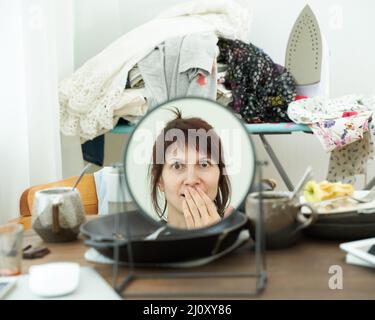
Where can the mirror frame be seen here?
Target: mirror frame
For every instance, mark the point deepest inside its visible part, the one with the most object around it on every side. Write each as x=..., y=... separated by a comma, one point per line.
x=126, y=154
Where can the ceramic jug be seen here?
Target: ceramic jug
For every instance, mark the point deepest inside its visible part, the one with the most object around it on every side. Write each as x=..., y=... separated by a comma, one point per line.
x=57, y=214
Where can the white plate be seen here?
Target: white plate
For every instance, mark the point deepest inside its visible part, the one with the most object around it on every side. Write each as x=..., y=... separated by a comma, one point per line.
x=360, y=249
x=342, y=205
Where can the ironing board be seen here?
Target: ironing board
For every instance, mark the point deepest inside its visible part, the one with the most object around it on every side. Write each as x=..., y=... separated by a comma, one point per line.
x=304, y=60
x=262, y=130
x=258, y=128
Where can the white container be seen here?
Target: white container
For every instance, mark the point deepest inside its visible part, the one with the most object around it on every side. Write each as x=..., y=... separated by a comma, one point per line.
x=119, y=198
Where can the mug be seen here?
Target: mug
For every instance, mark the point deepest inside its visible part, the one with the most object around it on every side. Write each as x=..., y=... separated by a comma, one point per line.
x=57, y=214
x=282, y=216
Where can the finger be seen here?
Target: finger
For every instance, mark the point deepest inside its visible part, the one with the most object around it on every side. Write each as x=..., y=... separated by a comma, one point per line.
x=189, y=220
x=202, y=209
x=207, y=218
x=228, y=211
x=193, y=208
x=212, y=210
x=199, y=202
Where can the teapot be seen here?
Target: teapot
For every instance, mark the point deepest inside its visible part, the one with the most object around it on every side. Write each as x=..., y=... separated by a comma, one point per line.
x=57, y=214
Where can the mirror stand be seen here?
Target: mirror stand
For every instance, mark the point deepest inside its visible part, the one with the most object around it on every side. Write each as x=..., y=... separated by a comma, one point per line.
x=259, y=275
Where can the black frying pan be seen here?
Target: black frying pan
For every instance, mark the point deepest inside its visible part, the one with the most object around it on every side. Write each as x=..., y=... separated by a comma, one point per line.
x=171, y=245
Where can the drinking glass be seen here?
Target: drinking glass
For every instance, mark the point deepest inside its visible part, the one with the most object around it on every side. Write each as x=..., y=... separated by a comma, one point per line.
x=10, y=249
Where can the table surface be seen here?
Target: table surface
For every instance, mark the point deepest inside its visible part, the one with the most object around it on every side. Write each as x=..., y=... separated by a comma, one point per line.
x=298, y=272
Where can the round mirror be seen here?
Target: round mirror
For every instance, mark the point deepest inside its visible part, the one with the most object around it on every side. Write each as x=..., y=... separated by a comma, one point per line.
x=189, y=163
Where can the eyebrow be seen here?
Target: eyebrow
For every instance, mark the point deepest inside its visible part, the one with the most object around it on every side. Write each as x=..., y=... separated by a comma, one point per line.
x=173, y=159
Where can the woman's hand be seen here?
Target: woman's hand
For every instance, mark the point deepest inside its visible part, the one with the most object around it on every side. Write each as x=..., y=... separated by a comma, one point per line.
x=199, y=210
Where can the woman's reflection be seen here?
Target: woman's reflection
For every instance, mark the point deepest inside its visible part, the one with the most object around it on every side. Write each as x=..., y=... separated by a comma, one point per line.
x=188, y=168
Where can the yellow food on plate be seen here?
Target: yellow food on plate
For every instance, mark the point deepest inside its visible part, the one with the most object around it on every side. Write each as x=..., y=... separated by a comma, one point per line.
x=316, y=192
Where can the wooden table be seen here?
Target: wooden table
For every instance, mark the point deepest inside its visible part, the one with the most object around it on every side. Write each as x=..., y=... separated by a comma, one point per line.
x=299, y=272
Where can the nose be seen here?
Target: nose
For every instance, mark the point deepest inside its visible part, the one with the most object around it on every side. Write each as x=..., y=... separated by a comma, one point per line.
x=192, y=178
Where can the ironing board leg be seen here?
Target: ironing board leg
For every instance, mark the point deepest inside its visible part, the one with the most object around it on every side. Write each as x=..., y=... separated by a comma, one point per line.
x=370, y=185
x=277, y=163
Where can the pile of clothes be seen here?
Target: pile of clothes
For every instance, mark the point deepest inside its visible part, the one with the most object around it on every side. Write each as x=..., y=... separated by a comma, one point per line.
x=231, y=72
x=199, y=48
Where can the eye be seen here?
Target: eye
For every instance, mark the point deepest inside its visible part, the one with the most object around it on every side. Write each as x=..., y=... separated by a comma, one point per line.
x=176, y=165
x=204, y=164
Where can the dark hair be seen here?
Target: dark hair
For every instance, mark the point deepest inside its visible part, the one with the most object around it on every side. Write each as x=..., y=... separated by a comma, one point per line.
x=185, y=125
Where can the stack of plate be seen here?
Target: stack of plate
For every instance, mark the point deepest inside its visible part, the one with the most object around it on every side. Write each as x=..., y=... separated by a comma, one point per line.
x=349, y=222
x=344, y=226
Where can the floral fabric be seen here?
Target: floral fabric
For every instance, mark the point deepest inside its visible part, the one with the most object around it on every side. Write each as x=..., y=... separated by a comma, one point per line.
x=348, y=161
x=337, y=122
x=261, y=89
x=340, y=132
x=342, y=127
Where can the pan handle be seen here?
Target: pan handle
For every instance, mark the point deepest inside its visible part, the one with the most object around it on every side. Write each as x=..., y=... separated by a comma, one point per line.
x=224, y=234
x=102, y=244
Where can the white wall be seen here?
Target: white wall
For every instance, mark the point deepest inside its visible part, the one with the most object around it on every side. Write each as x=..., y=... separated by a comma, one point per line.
x=97, y=24
x=29, y=135
x=346, y=24
x=71, y=153
x=14, y=176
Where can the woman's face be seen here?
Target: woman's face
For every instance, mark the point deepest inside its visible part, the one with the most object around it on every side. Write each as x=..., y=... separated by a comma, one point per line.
x=186, y=167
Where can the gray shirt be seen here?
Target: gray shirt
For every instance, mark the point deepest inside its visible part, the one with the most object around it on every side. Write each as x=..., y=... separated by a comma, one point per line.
x=181, y=67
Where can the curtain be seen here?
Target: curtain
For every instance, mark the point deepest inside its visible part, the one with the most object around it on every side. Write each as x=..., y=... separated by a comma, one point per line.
x=30, y=145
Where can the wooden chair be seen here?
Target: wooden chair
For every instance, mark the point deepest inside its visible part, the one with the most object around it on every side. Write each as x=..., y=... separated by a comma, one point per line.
x=86, y=188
